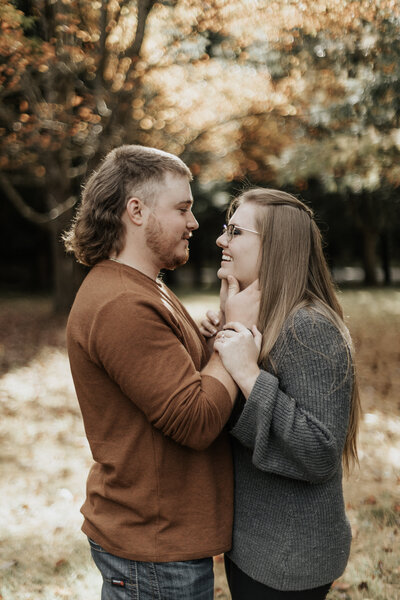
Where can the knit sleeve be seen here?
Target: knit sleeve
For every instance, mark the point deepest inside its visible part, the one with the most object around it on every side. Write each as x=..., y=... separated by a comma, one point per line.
x=140, y=348
x=295, y=423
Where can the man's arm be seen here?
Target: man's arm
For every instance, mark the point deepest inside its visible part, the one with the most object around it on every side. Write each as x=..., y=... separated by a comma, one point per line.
x=135, y=343
x=216, y=369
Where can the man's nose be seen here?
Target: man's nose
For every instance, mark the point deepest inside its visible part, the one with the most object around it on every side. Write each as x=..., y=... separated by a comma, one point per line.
x=192, y=222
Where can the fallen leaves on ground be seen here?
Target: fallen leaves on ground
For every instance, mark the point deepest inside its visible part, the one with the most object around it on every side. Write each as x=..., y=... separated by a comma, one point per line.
x=45, y=458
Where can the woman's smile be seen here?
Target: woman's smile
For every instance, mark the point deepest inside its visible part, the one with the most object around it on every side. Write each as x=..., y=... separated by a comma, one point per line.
x=241, y=247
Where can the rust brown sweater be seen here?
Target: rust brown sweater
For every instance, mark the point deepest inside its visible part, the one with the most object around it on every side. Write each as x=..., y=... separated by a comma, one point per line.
x=161, y=486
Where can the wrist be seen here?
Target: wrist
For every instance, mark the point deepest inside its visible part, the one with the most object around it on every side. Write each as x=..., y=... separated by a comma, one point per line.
x=247, y=379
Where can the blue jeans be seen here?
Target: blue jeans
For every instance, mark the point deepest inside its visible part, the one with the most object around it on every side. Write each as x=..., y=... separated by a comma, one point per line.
x=135, y=580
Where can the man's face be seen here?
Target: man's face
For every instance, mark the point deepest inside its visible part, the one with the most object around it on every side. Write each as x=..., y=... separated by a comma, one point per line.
x=171, y=222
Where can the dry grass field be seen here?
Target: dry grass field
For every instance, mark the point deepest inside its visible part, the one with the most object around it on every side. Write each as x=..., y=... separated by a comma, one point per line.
x=44, y=457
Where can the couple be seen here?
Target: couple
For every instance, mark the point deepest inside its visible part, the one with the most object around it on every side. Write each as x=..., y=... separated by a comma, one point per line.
x=164, y=411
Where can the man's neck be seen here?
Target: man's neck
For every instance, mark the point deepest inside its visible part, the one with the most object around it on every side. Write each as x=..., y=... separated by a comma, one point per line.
x=137, y=262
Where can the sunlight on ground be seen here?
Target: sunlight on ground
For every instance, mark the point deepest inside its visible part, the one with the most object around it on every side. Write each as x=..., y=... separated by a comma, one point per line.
x=45, y=459
x=44, y=480
x=378, y=302
x=379, y=430
x=381, y=434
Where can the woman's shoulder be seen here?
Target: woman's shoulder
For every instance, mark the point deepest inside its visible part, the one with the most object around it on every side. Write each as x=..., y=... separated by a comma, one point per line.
x=310, y=328
x=311, y=316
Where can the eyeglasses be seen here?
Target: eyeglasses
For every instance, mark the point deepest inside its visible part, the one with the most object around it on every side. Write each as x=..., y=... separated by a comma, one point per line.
x=232, y=230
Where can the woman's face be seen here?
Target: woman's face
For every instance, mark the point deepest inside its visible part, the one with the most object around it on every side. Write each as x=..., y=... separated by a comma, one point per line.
x=241, y=255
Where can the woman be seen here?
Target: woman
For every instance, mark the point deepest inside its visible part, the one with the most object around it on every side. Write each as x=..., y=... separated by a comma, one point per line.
x=299, y=404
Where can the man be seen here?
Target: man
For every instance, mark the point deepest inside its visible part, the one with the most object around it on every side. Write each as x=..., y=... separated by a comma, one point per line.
x=159, y=495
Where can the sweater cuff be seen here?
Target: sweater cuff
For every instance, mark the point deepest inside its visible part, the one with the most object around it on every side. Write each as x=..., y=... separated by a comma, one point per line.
x=257, y=411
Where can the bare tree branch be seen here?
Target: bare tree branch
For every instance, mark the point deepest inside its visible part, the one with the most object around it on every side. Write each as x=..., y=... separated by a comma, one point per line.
x=144, y=8
x=82, y=15
x=46, y=10
x=27, y=211
x=230, y=119
x=6, y=115
x=121, y=5
x=102, y=44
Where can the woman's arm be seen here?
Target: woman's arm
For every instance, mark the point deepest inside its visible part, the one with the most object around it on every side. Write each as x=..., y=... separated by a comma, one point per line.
x=239, y=348
x=295, y=423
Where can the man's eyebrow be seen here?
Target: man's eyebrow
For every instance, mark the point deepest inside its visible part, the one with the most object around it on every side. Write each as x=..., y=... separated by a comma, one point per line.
x=185, y=203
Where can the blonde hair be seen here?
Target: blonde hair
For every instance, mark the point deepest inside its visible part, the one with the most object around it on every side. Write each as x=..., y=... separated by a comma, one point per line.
x=97, y=230
x=294, y=274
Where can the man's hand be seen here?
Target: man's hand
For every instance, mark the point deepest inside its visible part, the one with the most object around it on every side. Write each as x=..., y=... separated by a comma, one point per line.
x=242, y=306
x=235, y=305
x=223, y=294
x=212, y=323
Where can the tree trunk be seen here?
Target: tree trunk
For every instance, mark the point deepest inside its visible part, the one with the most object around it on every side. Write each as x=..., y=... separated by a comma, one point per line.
x=370, y=241
x=385, y=257
x=67, y=273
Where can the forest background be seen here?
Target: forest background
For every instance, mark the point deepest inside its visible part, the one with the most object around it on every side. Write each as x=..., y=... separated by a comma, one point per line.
x=303, y=95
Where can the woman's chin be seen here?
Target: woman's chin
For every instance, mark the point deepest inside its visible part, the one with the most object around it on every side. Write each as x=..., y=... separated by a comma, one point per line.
x=220, y=273
x=223, y=273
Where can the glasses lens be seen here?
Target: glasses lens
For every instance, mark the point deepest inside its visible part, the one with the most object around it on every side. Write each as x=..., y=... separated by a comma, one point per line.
x=229, y=230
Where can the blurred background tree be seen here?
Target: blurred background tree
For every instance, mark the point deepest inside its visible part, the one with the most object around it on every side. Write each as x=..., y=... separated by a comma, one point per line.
x=301, y=95
x=68, y=85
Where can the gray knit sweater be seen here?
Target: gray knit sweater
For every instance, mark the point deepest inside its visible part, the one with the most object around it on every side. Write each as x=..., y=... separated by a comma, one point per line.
x=290, y=527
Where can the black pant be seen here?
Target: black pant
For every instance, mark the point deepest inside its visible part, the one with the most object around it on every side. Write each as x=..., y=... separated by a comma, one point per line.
x=243, y=587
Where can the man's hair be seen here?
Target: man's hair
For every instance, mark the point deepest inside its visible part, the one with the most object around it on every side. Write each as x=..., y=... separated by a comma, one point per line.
x=97, y=230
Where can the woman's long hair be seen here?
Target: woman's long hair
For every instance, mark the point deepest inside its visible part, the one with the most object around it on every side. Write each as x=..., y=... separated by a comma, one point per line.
x=294, y=274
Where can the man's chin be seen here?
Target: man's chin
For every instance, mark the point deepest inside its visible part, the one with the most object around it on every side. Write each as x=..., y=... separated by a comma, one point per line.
x=176, y=261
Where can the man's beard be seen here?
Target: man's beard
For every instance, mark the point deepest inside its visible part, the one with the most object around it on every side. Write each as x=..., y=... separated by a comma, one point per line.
x=163, y=247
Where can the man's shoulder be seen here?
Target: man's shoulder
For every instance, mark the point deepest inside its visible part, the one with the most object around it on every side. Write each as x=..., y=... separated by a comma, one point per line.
x=110, y=293
x=106, y=283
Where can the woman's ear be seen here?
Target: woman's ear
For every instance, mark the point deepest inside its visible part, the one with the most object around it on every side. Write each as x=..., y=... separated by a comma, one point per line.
x=134, y=210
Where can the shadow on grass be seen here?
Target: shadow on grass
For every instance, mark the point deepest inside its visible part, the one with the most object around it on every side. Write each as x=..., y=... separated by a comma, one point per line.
x=26, y=326
x=55, y=566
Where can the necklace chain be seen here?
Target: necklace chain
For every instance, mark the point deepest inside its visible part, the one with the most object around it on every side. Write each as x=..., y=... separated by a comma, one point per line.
x=117, y=261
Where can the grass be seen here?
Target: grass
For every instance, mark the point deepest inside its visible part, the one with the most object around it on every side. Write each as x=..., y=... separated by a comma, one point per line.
x=44, y=456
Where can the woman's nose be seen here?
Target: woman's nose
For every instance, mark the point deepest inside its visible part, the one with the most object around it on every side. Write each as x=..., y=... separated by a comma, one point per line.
x=222, y=240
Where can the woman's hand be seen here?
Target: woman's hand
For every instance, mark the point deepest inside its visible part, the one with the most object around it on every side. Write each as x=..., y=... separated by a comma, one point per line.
x=239, y=349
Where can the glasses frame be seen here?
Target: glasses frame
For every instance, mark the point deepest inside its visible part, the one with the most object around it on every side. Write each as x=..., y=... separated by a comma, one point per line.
x=229, y=230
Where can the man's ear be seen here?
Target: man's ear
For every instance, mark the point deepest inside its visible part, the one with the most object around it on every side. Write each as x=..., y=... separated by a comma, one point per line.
x=134, y=210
